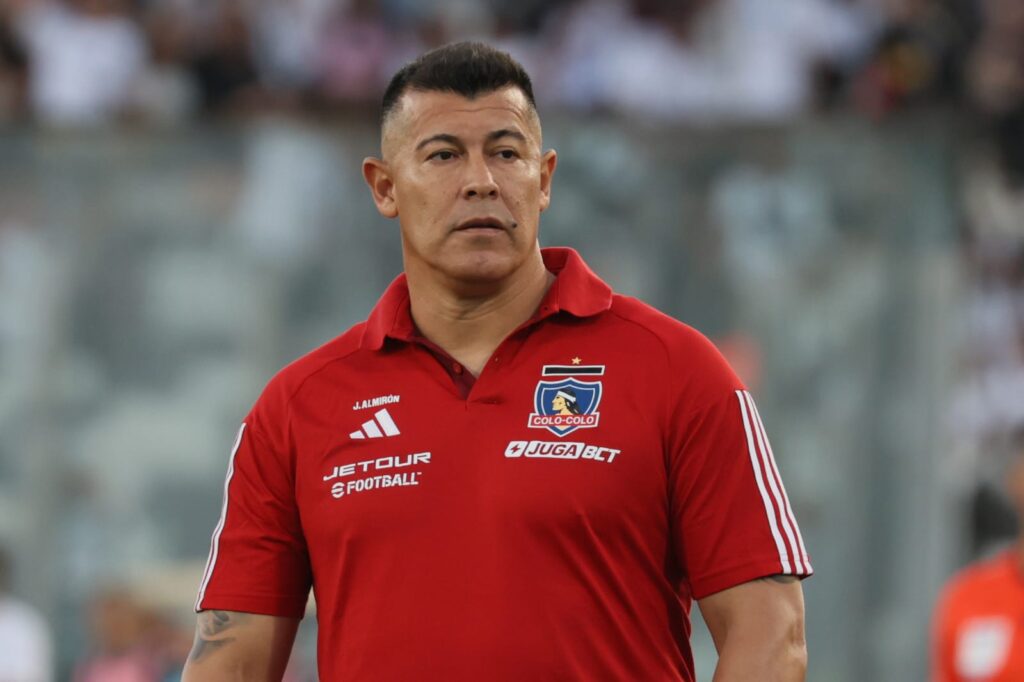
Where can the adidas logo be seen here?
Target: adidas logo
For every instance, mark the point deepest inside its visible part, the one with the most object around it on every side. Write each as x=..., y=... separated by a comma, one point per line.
x=381, y=426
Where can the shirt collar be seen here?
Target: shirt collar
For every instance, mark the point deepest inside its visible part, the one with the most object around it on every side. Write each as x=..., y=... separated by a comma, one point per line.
x=576, y=290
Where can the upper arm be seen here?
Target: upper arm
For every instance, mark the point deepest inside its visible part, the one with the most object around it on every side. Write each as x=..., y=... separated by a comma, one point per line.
x=259, y=561
x=758, y=627
x=732, y=521
x=230, y=645
x=775, y=603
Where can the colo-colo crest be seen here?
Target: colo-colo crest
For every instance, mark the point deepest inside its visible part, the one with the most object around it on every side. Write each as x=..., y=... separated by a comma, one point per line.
x=563, y=405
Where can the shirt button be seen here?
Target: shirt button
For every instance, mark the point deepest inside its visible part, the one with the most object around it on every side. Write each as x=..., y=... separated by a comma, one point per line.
x=457, y=368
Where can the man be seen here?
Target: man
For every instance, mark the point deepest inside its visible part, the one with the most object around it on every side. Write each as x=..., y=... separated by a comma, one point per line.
x=415, y=472
x=978, y=633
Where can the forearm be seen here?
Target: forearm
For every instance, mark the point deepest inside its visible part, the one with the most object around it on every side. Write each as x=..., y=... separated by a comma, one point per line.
x=239, y=646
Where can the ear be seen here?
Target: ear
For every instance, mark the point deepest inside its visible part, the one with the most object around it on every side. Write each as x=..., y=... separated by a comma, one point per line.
x=382, y=186
x=548, y=163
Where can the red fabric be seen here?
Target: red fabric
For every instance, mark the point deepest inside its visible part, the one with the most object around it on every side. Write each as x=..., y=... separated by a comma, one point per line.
x=978, y=633
x=485, y=563
x=461, y=377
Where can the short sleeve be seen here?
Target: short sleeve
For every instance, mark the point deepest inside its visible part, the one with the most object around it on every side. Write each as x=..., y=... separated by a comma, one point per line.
x=258, y=559
x=731, y=518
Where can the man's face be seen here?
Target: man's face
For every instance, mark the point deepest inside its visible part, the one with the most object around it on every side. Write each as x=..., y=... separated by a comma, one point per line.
x=466, y=180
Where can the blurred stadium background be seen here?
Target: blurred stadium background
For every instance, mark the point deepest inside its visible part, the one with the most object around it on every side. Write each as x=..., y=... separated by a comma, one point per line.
x=833, y=190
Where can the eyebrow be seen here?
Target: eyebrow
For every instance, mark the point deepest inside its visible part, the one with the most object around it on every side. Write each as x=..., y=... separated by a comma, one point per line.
x=491, y=137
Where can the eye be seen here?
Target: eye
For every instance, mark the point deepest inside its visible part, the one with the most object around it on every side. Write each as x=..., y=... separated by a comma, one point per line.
x=442, y=155
x=508, y=154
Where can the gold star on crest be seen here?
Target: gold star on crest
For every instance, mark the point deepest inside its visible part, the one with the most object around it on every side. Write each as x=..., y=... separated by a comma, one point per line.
x=576, y=361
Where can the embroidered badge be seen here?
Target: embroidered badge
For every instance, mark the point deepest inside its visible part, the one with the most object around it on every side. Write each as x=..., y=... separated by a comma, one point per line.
x=569, y=403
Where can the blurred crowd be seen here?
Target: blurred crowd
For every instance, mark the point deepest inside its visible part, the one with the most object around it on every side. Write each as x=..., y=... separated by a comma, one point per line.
x=86, y=62
x=987, y=408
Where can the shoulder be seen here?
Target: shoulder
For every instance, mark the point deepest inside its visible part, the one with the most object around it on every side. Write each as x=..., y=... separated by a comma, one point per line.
x=291, y=379
x=692, y=361
x=676, y=336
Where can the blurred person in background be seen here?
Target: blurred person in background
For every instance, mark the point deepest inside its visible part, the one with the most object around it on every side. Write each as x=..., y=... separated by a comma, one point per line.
x=224, y=64
x=121, y=649
x=165, y=93
x=978, y=630
x=481, y=556
x=84, y=57
x=170, y=643
x=26, y=650
x=356, y=53
x=287, y=34
x=917, y=57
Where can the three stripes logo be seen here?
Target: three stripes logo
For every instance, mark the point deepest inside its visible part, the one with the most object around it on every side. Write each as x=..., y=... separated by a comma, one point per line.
x=381, y=426
x=788, y=541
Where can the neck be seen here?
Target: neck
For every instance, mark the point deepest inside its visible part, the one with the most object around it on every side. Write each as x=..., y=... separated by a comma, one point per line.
x=470, y=320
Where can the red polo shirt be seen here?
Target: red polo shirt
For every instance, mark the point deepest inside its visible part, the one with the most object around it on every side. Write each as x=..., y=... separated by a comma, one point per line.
x=550, y=521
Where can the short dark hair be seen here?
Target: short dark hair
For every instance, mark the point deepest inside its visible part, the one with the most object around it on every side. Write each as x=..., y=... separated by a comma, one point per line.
x=467, y=68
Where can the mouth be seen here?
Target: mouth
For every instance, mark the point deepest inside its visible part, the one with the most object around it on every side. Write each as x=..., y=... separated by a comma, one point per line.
x=487, y=223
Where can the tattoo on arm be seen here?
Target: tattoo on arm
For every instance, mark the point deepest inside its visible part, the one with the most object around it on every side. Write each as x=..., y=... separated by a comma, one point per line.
x=213, y=632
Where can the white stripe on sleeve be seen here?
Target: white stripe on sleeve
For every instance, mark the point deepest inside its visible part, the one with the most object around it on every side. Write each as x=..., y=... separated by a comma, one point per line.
x=800, y=548
x=782, y=504
x=769, y=509
x=211, y=562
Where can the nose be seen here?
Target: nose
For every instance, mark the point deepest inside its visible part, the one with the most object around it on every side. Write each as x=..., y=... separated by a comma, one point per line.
x=480, y=182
